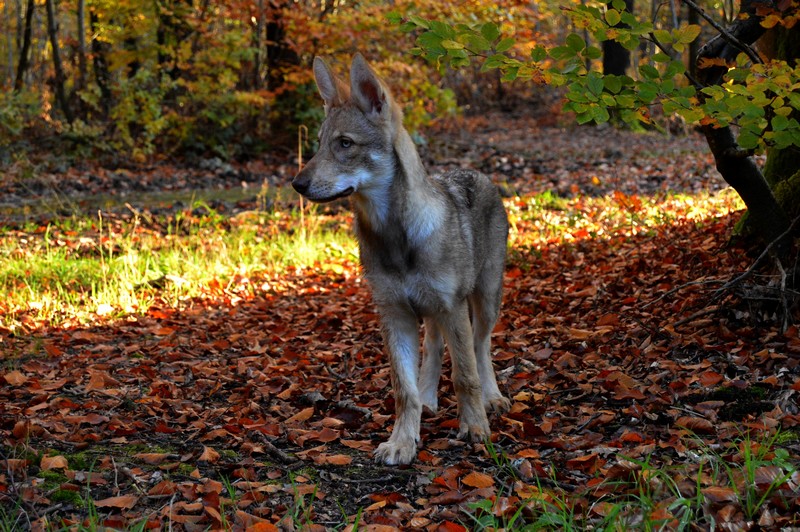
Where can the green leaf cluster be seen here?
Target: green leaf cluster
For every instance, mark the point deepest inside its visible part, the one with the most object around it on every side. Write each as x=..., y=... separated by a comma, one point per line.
x=761, y=100
x=456, y=45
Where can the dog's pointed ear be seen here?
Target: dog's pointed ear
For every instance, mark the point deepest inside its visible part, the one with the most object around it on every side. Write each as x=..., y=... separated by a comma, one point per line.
x=332, y=89
x=367, y=90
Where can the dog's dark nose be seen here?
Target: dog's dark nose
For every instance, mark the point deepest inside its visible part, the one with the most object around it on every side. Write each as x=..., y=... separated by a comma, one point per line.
x=301, y=183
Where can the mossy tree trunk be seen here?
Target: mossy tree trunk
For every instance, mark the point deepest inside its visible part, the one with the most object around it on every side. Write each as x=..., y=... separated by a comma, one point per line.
x=782, y=170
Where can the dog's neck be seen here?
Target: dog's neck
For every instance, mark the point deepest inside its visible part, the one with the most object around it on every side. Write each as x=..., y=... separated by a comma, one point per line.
x=404, y=196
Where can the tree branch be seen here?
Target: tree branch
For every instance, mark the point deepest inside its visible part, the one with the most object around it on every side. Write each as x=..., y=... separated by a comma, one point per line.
x=732, y=39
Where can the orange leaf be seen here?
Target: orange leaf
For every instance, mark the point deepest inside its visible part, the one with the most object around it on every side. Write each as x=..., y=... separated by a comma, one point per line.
x=303, y=415
x=15, y=378
x=333, y=459
x=53, y=462
x=449, y=526
x=696, y=424
x=720, y=494
x=361, y=445
x=151, y=458
x=710, y=378
x=262, y=527
x=209, y=455
x=478, y=480
x=165, y=487
x=122, y=501
x=96, y=381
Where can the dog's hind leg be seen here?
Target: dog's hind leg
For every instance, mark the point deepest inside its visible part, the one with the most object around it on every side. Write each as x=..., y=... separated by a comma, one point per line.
x=401, y=336
x=473, y=423
x=431, y=368
x=485, y=303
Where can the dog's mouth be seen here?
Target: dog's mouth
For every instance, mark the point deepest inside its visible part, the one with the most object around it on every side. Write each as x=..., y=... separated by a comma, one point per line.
x=343, y=194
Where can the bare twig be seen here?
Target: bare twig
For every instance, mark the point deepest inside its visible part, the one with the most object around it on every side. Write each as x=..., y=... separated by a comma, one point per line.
x=681, y=287
x=732, y=39
x=699, y=314
x=747, y=273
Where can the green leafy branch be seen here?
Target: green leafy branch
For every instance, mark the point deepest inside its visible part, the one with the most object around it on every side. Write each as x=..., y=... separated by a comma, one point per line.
x=758, y=98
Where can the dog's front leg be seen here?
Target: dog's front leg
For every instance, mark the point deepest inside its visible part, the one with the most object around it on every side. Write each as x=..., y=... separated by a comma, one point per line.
x=431, y=368
x=473, y=423
x=401, y=335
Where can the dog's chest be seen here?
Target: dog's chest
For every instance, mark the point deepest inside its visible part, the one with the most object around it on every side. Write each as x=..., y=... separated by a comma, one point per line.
x=399, y=274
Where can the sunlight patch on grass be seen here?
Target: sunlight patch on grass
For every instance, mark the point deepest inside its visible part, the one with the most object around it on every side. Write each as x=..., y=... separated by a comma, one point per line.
x=544, y=219
x=77, y=269
x=71, y=272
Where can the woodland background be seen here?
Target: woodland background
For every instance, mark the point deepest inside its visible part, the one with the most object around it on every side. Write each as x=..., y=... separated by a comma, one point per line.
x=186, y=345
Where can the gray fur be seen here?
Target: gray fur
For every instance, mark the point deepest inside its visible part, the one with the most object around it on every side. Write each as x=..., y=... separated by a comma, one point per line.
x=432, y=249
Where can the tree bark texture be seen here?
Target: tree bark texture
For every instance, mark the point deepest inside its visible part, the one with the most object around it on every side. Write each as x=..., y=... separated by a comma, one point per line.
x=81, y=23
x=617, y=58
x=737, y=168
x=52, y=31
x=100, y=64
x=22, y=66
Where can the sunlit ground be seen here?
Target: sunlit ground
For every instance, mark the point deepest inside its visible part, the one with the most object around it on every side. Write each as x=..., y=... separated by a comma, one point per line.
x=78, y=270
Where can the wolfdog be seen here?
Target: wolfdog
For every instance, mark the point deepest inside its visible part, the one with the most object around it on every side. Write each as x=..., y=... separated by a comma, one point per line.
x=432, y=248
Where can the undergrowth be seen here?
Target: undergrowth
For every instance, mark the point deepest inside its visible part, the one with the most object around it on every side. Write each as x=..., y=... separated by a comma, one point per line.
x=747, y=480
x=78, y=268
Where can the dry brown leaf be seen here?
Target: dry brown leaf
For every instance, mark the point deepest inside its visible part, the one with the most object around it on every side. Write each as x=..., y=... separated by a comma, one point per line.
x=54, y=462
x=695, y=424
x=122, y=501
x=720, y=494
x=15, y=378
x=151, y=458
x=303, y=415
x=477, y=480
x=333, y=459
x=208, y=455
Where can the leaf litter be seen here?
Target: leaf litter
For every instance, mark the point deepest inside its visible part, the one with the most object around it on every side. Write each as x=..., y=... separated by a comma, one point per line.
x=259, y=408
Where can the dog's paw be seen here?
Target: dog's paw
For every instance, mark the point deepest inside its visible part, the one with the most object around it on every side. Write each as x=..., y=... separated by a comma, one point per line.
x=396, y=453
x=497, y=405
x=475, y=432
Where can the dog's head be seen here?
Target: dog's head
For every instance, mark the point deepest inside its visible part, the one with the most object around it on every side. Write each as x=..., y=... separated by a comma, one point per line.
x=355, y=140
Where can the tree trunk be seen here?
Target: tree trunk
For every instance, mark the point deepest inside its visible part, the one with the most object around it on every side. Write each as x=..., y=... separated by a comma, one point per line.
x=81, y=23
x=100, y=64
x=52, y=30
x=22, y=66
x=738, y=169
x=9, y=44
x=617, y=58
x=782, y=169
x=258, y=43
x=693, y=18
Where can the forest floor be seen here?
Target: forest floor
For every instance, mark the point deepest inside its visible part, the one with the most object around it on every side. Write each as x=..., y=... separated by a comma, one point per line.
x=646, y=391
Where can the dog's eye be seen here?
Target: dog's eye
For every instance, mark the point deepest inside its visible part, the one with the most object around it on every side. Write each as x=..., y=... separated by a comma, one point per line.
x=345, y=142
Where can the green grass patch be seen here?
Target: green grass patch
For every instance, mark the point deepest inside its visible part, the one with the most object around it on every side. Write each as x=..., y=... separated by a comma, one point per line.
x=749, y=475
x=75, y=269
x=78, y=268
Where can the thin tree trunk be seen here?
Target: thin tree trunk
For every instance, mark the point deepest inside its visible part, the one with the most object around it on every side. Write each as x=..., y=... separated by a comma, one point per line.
x=81, y=14
x=100, y=64
x=22, y=66
x=9, y=44
x=258, y=44
x=694, y=18
x=52, y=30
x=617, y=58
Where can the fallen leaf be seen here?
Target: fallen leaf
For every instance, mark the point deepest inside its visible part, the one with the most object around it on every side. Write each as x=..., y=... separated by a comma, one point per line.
x=15, y=378
x=123, y=501
x=720, y=494
x=477, y=480
x=208, y=455
x=54, y=462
